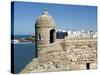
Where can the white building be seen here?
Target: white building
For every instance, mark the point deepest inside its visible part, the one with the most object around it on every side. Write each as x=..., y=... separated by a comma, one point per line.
x=95, y=35
x=82, y=33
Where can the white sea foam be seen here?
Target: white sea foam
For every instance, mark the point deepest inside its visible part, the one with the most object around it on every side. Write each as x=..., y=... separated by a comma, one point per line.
x=23, y=43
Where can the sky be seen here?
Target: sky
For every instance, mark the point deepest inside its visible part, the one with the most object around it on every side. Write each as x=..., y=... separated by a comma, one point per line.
x=67, y=17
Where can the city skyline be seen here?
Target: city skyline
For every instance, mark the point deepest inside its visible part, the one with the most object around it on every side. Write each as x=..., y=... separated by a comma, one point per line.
x=67, y=17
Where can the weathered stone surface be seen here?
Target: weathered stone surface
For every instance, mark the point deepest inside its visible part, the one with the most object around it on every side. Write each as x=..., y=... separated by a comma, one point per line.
x=74, y=57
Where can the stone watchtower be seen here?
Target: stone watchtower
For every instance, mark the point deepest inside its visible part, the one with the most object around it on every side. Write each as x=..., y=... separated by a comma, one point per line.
x=45, y=28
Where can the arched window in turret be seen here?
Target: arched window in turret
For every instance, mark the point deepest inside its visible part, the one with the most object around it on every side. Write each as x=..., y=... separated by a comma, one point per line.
x=52, y=35
x=38, y=36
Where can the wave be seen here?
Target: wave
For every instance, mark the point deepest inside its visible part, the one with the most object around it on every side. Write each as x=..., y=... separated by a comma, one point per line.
x=23, y=43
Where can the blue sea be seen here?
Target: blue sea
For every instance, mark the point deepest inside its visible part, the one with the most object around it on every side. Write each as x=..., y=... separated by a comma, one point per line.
x=24, y=52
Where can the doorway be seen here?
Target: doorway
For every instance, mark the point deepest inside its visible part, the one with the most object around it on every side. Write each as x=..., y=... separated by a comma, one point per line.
x=52, y=36
x=87, y=65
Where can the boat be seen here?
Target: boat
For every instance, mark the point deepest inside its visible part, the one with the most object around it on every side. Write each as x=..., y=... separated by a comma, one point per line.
x=14, y=41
